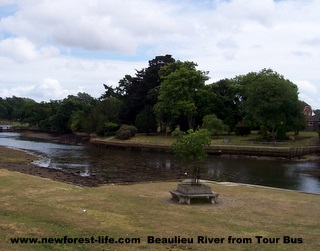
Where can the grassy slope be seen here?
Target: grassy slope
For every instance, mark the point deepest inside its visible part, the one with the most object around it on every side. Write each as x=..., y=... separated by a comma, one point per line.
x=157, y=139
x=36, y=207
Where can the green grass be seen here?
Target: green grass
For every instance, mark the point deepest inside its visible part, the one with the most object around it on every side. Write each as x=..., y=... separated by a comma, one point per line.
x=35, y=207
x=304, y=139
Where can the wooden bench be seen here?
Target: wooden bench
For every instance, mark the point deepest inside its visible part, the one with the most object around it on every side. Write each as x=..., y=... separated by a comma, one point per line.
x=185, y=198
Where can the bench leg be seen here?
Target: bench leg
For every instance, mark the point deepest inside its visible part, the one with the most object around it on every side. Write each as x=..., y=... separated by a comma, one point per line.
x=181, y=199
x=188, y=201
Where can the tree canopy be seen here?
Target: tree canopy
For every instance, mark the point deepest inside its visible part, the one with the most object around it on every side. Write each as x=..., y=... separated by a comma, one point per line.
x=180, y=92
x=192, y=147
x=170, y=93
x=271, y=100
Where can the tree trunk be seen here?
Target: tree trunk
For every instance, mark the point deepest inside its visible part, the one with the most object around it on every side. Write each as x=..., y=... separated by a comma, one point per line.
x=191, y=122
x=273, y=134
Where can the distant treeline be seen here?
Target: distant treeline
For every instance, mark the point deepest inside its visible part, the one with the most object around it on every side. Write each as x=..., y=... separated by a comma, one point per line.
x=168, y=94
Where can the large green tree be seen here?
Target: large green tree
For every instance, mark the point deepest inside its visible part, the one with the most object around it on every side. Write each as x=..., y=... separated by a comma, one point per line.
x=71, y=113
x=271, y=100
x=137, y=92
x=181, y=91
x=227, y=101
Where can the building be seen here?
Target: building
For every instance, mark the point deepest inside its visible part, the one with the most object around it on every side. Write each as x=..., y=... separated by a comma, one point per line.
x=306, y=109
x=313, y=123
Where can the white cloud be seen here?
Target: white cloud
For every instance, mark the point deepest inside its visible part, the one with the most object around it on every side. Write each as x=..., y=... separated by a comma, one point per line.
x=92, y=25
x=54, y=40
x=22, y=50
x=47, y=89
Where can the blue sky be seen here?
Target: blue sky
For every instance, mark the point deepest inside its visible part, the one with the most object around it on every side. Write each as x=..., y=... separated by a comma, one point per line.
x=50, y=49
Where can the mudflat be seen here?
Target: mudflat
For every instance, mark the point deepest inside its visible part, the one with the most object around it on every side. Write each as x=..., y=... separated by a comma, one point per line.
x=20, y=161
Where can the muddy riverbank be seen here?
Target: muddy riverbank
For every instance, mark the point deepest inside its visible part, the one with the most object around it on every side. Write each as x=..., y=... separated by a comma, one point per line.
x=21, y=161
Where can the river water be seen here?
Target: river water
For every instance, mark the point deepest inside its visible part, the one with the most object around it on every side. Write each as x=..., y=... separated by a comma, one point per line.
x=114, y=165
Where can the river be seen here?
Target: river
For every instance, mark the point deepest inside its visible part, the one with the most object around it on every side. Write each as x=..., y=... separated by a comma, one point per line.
x=114, y=165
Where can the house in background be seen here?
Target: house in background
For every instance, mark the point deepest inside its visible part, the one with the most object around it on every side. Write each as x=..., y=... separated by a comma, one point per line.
x=313, y=123
x=306, y=110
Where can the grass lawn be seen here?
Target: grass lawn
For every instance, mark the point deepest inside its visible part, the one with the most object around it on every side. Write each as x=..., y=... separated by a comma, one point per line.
x=303, y=139
x=36, y=207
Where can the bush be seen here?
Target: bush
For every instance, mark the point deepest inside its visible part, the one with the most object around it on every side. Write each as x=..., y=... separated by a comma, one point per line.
x=123, y=134
x=110, y=128
x=177, y=133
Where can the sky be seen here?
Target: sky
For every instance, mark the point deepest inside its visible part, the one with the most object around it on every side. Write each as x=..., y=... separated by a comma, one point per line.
x=52, y=49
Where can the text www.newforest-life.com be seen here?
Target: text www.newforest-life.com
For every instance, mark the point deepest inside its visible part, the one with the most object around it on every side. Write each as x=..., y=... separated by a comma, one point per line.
x=69, y=240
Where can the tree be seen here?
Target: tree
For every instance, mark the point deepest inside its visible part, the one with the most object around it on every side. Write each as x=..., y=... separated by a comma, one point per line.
x=71, y=112
x=140, y=90
x=179, y=95
x=3, y=111
x=146, y=120
x=105, y=111
x=214, y=125
x=37, y=114
x=191, y=147
x=271, y=100
x=227, y=102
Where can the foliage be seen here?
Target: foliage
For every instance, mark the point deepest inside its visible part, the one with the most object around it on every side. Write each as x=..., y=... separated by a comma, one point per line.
x=111, y=127
x=70, y=113
x=227, y=101
x=126, y=132
x=179, y=93
x=137, y=92
x=263, y=132
x=214, y=125
x=106, y=128
x=281, y=133
x=146, y=120
x=192, y=147
x=123, y=134
x=178, y=133
x=271, y=100
x=170, y=93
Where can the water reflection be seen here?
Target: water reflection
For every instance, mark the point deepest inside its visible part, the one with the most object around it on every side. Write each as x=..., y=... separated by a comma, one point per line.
x=114, y=165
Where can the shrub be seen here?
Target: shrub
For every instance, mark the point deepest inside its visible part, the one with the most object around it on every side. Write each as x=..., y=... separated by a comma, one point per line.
x=123, y=134
x=214, y=125
x=110, y=128
x=177, y=133
x=126, y=132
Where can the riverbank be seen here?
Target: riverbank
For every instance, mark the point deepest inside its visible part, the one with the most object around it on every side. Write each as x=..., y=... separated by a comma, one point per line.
x=220, y=147
x=69, y=138
x=34, y=207
x=156, y=143
x=22, y=162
